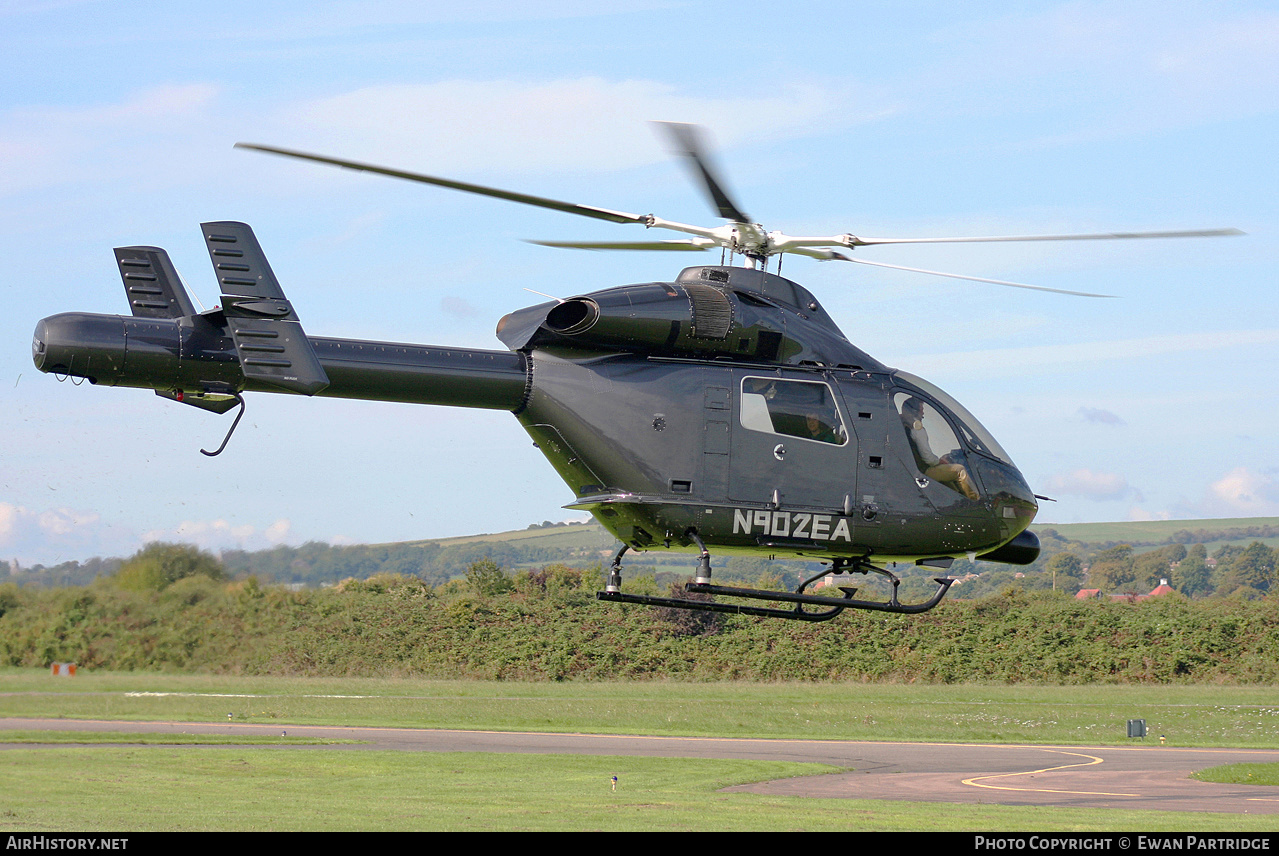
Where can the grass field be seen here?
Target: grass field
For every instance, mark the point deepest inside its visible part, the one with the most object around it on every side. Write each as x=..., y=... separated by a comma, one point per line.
x=184, y=739
x=264, y=789
x=297, y=787
x=1241, y=774
x=1084, y=715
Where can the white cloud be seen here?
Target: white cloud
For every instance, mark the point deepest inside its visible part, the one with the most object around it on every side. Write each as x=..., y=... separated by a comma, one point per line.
x=1234, y=56
x=61, y=534
x=1241, y=493
x=8, y=521
x=44, y=146
x=1022, y=361
x=58, y=535
x=572, y=124
x=1179, y=63
x=1138, y=513
x=221, y=534
x=278, y=532
x=1091, y=485
x=62, y=522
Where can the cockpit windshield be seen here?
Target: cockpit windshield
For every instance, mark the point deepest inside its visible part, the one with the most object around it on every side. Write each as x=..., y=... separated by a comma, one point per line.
x=974, y=433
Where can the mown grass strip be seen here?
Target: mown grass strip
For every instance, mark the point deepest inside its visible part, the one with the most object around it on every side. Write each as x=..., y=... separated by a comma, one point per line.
x=266, y=789
x=1240, y=774
x=100, y=737
x=1089, y=715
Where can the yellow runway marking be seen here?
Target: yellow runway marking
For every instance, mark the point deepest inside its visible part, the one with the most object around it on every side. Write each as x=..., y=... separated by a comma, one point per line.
x=976, y=781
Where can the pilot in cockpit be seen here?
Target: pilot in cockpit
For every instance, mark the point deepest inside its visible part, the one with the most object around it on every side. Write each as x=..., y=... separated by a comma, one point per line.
x=946, y=468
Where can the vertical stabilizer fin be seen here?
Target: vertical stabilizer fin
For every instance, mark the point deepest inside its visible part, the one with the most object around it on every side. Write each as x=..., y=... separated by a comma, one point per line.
x=239, y=262
x=152, y=284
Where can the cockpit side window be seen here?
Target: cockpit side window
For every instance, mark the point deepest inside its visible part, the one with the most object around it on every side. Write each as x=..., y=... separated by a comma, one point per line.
x=938, y=453
x=802, y=409
x=974, y=432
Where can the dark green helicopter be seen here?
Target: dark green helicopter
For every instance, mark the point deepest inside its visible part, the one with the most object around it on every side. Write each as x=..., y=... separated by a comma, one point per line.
x=723, y=410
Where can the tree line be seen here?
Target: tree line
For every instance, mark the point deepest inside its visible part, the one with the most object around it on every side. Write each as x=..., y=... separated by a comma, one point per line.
x=172, y=608
x=1064, y=565
x=1231, y=570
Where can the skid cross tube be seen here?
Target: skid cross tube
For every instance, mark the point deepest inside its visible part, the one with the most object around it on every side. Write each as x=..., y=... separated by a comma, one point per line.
x=839, y=604
x=712, y=606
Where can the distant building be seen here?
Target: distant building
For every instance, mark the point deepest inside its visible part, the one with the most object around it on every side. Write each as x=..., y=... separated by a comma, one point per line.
x=1095, y=594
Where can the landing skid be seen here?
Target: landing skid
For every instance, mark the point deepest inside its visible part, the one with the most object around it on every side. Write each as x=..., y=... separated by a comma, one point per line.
x=833, y=605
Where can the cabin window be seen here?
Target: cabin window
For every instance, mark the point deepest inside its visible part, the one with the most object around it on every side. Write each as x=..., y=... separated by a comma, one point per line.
x=803, y=409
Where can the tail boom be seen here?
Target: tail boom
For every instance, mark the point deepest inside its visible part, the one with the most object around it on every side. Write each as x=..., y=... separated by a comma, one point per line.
x=197, y=356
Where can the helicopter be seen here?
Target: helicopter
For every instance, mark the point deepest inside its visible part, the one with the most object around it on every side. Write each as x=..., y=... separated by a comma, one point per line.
x=724, y=409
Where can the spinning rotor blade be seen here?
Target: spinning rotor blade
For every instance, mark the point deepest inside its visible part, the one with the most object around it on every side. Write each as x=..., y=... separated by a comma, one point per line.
x=539, y=201
x=688, y=143
x=742, y=235
x=843, y=258
x=693, y=245
x=1103, y=236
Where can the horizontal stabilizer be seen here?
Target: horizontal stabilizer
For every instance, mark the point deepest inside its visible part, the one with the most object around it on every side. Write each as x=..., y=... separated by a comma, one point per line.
x=152, y=284
x=268, y=336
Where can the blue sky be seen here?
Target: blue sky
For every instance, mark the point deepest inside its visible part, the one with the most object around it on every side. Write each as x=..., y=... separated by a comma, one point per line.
x=909, y=119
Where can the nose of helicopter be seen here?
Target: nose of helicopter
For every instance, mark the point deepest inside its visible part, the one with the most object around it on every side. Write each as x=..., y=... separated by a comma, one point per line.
x=1014, y=507
x=1013, y=500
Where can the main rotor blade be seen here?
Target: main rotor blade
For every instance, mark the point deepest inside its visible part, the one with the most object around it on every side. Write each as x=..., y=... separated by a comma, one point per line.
x=693, y=245
x=539, y=201
x=1103, y=236
x=844, y=258
x=817, y=253
x=688, y=142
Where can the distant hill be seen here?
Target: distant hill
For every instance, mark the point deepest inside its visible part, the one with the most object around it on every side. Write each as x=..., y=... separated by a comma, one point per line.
x=568, y=536
x=1242, y=530
x=582, y=545
x=1156, y=533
